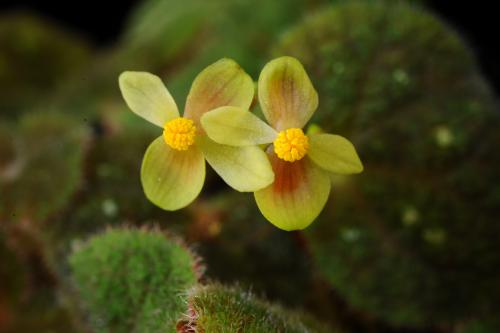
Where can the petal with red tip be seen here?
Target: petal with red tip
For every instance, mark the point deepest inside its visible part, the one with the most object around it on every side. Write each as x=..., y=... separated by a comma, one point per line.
x=286, y=94
x=297, y=196
x=220, y=84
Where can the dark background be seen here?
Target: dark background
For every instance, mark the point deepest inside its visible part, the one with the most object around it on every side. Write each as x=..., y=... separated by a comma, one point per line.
x=102, y=22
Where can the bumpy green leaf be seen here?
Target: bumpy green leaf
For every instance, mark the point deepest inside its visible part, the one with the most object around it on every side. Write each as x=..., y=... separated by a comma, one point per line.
x=403, y=87
x=133, y=280
x=221, y=309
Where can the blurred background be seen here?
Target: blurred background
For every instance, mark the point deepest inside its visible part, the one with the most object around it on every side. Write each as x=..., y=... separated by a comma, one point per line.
x=410, y=245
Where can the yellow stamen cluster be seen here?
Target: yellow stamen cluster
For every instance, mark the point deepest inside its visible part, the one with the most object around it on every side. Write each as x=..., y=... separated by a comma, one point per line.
x=179, y=133
x=291, y=145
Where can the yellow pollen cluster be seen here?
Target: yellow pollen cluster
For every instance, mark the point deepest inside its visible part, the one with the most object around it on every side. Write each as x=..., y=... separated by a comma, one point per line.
x=179, y=133
x=291, y=145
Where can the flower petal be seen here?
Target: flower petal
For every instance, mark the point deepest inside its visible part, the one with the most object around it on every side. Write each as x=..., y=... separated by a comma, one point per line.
x=235, y=126
x=146, y=96
x=286, y=94
x=334, y=153
x=297, y=196
x=220, y=84
x=246, y=169
x=172, y=179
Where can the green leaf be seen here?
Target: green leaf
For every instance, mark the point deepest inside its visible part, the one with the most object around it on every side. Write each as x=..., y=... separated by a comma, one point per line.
x=246, y=169
x=230, y=309
x=234, y=126
x=41, y=165
x=38, y=59
x=334, y=153
x=224, y=83
x=172, y=179
x=286, y=94
x=146, y=96
x=297, y=196
x=133, y=280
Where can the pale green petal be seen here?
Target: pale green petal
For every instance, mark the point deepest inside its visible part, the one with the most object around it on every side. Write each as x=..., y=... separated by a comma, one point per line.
x=286, y=94
x=234, y=126
x=172, y=179
x=223, y=83
x=334, y=153
x=146, y=96
x=297, y=196
x=246, y=169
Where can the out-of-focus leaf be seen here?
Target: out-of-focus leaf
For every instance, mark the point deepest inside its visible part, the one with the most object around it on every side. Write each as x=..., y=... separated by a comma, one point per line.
x=46, y=168
x=36, y=57
x=413, y=236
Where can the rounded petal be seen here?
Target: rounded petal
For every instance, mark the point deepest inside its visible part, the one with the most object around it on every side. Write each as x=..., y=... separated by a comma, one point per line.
x=146, y=95
x=297, y=196
x=246, y=169
x=334, y=153
x=220, y=84
x=235, y=126
x=172, y=179
x=286, y=94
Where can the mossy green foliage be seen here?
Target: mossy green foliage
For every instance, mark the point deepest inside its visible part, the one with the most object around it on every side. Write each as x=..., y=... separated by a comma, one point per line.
x=215, y=308
x=132, y=280
x=414, y=239
x=44, y=168
x=35, y=57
